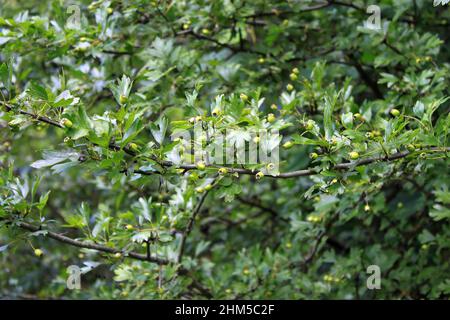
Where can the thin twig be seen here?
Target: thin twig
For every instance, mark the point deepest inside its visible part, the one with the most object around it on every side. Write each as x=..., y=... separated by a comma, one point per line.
x=190, y=224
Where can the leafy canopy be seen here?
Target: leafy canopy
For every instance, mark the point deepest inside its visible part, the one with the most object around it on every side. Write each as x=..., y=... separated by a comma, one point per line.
x=92, y=92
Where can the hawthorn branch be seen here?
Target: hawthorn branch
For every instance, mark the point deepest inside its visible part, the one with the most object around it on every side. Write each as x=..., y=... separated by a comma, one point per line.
x=47, y=120
x=314, y=171
x=285, y=175
x=83, y=244
x=57, y=124
x=275, y=12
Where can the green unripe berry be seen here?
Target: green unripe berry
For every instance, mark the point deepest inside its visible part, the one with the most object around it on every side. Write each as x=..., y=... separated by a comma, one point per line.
x=293, y=76
x=243, y=97
x=38, y=252
x=288, y=145
x=354, y=155
x=199, y=190
x=201, y=165
x=66, y=123
x=123, y=99
x=216, y=112
x=395, y=112
x=271, y=117
x=289, y=87
x=313, y=155
x=259, y=175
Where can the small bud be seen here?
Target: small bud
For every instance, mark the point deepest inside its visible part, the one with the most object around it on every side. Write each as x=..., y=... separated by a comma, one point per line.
x=68, y=141
x=271, y=118
x=333, y=141
x=193, y=176
x=366, y=208
x=309, y=125
x=289, y=87
x=38, y=252
x=133, y=146
x=129, y=227
x=246, y=111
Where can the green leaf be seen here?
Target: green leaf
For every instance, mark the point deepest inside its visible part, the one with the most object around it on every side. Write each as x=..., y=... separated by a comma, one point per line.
x=37, y=91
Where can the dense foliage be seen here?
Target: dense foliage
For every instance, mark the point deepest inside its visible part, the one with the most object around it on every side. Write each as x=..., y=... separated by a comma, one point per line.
x=89, y=175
